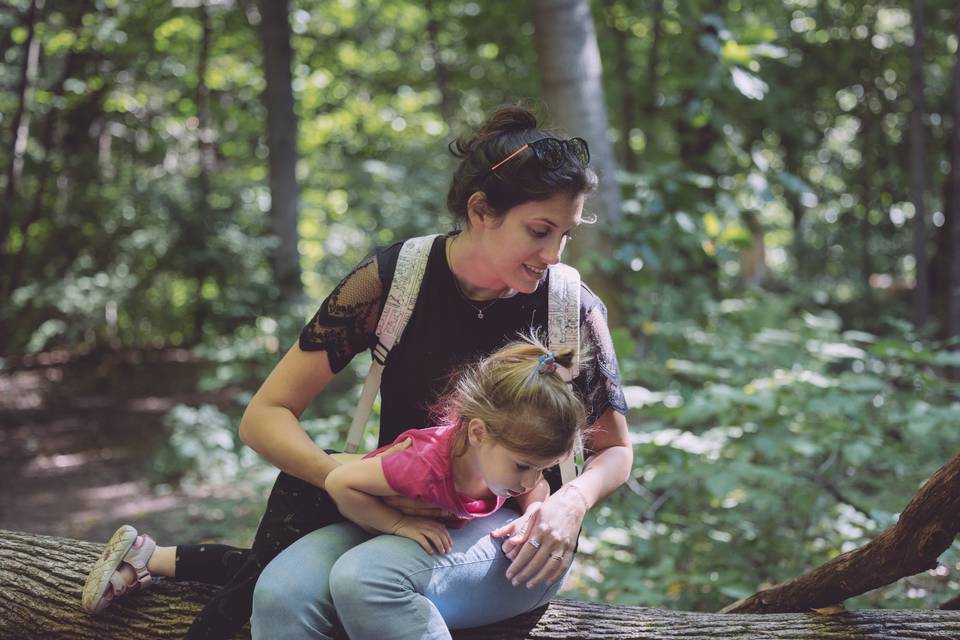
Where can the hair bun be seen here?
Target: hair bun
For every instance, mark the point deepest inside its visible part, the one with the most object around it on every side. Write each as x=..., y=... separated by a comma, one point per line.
x=510, y=118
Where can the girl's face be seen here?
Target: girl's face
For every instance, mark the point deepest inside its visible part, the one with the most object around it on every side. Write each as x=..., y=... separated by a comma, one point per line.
x=507, y=473
x=530, y=237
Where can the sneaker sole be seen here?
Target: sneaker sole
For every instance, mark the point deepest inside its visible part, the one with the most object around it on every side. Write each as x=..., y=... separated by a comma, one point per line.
x=99, y=576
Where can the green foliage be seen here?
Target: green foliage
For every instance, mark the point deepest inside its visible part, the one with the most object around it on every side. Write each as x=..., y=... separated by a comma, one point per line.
x=204, y=444
x=768, y=442
x=771, y=432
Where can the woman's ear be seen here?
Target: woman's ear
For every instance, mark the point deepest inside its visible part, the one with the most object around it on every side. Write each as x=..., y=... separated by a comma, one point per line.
x=476, y=432
x=479, y=211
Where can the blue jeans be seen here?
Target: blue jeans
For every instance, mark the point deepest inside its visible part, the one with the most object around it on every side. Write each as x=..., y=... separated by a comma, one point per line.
x=387, y=587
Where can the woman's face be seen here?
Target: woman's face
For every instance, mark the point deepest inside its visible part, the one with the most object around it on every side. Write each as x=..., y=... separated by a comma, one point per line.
x=521, y=244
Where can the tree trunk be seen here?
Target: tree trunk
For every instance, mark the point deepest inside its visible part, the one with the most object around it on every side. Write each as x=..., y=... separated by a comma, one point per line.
x=439, y=68
x=282, y=143
x=202, y=306
x=624, y=74
x=753, y=259
x=926, y=528
x=953, y=290
x=866, y=201
x=918, y=156
x=653, y=60
x=571, y=75
x=41, y=578
x=20, y=123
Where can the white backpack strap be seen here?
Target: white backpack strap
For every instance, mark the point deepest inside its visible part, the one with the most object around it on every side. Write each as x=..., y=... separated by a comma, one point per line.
x=397, y=309
x=563, y=332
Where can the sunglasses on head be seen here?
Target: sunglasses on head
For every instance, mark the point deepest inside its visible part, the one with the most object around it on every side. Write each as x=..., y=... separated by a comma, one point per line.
x=551, y=152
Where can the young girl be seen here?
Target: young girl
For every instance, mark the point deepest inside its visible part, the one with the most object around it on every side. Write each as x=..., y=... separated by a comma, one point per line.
x=506, y=419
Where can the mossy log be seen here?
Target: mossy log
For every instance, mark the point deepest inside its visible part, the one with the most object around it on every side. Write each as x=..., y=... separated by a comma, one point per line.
x=41, y=578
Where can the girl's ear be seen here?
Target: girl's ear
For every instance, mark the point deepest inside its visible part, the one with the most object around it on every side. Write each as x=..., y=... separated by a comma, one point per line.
x=476, y=432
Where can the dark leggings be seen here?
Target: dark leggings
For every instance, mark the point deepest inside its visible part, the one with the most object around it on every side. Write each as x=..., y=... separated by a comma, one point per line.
x=294, y=509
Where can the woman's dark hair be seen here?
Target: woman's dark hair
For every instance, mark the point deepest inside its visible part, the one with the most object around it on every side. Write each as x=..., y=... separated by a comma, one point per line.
x=522, y=178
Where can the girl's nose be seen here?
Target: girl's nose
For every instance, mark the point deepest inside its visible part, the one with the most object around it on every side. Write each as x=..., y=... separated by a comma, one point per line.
x=530, y=480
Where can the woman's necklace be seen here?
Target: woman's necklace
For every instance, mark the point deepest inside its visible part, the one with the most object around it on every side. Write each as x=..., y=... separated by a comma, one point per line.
x=479, y=309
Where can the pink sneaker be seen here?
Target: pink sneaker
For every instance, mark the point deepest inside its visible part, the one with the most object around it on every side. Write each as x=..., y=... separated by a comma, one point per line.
x=104, y=582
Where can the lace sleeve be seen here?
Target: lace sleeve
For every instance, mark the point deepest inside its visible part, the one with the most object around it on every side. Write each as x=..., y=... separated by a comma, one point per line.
x=599, y=380
x=346, y=322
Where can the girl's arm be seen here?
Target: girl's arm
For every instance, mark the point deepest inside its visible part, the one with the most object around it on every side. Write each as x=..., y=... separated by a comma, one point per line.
x=357, y=487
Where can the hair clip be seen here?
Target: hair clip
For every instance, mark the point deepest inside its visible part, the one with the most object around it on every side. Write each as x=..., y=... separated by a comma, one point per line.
x=548, y=363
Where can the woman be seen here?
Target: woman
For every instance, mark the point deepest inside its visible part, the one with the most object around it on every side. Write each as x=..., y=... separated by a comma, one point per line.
x=519, y=194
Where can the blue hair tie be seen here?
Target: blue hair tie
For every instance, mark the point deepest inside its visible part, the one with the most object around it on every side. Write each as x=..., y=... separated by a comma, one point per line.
x=548, y=363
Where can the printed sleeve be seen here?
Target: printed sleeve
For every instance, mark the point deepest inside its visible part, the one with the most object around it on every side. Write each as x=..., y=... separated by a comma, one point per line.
x=599, y=381
x=346, y=322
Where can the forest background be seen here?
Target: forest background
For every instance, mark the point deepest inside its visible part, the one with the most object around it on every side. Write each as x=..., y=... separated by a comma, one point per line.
x=780, y=226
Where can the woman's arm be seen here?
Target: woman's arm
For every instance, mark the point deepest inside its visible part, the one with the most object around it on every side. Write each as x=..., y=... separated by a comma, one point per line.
x=357, y=487
x=271, y=422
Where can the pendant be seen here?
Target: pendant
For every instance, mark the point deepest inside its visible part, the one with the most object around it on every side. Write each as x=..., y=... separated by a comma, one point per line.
x=480, y=314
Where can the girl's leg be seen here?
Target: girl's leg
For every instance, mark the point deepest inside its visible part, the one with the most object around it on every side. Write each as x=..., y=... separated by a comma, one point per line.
x=207, y=563
x=390, y=588
x=130, y=560
x=292, y=598
x=294, y=509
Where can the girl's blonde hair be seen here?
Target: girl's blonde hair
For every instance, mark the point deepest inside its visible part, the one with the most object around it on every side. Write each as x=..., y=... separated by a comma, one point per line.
x=520, y=395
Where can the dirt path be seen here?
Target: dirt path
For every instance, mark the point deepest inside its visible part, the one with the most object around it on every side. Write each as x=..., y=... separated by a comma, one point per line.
x=76, y=433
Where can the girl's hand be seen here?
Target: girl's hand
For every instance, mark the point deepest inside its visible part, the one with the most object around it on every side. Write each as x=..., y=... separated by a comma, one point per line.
x=429, y=534
x=542, y=546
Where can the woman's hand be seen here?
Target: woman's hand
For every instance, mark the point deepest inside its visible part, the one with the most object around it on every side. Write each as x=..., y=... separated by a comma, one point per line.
x=542, y=540
x=429, y=534
x=515, y=531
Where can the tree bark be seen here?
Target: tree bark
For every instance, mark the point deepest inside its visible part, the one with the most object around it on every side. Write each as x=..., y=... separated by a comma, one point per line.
x=571, y=76
x=282, y=142
x=41, y=578
x=925, y=529
x=918, y=173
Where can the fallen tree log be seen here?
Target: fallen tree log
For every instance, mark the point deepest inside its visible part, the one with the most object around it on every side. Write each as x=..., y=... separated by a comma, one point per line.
x=41, y=578
x=926, y=528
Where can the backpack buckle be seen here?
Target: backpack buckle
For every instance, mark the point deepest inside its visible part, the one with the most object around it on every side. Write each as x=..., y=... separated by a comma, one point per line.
x=380, y=353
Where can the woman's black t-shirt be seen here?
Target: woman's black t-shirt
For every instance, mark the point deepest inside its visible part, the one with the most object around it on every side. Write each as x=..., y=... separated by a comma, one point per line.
x=444, y=333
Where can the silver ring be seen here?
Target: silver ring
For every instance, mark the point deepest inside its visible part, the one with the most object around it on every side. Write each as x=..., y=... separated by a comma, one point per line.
x=534, y=543
x=557, y=556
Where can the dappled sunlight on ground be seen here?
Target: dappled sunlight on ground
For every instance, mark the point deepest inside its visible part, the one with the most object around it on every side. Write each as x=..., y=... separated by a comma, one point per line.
x=76, y=437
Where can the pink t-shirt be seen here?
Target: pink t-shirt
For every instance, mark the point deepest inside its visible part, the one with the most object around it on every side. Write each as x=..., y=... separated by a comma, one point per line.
x=424, y=471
